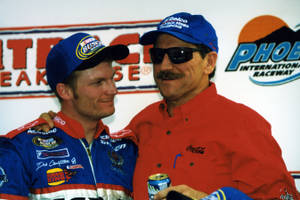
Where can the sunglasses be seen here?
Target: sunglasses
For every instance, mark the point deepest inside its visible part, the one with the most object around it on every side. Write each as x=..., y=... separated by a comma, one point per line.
x=177, y=55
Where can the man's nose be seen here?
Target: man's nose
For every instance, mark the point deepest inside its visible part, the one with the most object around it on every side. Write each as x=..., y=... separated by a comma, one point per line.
x=112, y=89
x=166, y=63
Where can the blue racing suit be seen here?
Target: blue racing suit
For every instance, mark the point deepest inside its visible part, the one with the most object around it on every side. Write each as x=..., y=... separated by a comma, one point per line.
x=61, y=165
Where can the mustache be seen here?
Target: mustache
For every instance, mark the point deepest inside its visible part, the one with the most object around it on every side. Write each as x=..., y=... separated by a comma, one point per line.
x=168, y=75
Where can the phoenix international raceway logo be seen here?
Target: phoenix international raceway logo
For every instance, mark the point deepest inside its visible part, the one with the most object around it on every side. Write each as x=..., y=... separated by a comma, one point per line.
x=268, y=50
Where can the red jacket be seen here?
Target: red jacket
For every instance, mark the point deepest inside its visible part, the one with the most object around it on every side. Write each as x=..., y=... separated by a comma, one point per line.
x=209, y=143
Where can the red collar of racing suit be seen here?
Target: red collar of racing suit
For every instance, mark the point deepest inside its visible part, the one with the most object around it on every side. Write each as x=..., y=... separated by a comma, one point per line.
x=74, y=128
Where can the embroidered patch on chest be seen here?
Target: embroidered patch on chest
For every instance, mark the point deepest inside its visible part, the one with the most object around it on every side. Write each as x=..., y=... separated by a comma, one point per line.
x=57, y=176
x=117, y=161
x=47, y=142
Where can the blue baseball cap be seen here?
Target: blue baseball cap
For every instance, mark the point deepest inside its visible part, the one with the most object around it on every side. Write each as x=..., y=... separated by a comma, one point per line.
x=187, y=27
x=79, y=51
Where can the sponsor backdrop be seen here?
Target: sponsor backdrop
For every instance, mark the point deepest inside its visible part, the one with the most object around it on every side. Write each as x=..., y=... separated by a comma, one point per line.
x=258, y=63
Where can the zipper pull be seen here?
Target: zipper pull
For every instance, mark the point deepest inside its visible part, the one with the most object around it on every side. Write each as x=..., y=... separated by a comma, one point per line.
x=88, y=151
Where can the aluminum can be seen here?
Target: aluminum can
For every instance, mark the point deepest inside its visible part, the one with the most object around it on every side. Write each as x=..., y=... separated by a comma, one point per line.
x=156, y=183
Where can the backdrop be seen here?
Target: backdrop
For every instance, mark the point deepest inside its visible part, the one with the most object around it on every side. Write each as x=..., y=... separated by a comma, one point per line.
x=258, y=62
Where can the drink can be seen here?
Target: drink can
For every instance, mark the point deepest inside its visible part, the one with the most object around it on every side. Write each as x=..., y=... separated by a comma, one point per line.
x=156, y=183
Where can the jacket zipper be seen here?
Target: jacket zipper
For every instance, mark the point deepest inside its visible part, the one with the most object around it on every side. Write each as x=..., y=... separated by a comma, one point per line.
x=89, y=154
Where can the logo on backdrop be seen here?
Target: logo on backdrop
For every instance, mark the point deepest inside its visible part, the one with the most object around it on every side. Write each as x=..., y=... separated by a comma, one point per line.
x=23, y=52
x=268, y=51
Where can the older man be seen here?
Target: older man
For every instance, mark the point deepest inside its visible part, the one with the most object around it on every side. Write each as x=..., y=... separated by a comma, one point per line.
x=196, y=136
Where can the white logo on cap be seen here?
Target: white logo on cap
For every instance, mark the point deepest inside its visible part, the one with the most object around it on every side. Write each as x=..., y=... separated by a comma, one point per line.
x=174, y=22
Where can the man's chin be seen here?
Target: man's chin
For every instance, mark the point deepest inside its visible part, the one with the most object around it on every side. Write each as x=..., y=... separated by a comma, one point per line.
x=169, y=96
x=103, y=114
x=167, y=91
x=108, y=113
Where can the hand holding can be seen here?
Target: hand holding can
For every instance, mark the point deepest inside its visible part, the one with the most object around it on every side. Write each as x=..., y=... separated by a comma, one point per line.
x=156, y=183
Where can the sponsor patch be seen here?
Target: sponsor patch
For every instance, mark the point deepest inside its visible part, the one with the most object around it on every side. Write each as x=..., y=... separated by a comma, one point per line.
x=104, y=137
x=117, y=161
x=78, y=166
x=59, y=120
x=58, y=176
x=87, y=47
x=34, y=132
x=120, y=147
x=47, y=142
x=46, y=154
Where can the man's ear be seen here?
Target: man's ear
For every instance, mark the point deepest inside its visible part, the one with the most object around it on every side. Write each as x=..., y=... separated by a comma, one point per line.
x=64, y=91
x=211, y=62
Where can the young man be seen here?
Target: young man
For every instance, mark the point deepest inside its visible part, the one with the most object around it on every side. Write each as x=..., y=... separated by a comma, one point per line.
x=78, y=158
x=196, y=136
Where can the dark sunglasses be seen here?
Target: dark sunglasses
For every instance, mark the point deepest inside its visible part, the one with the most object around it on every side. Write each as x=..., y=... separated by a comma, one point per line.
x=177, y=55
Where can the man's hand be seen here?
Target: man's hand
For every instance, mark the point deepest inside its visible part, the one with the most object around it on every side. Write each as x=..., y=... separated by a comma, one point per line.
x=49, y=116
x=183, y=189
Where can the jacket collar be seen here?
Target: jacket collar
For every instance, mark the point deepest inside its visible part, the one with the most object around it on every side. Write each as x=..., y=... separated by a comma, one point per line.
x=74, y=128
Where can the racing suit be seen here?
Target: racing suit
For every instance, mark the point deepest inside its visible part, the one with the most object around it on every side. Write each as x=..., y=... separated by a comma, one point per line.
x=61, y=165
x=210, y=142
